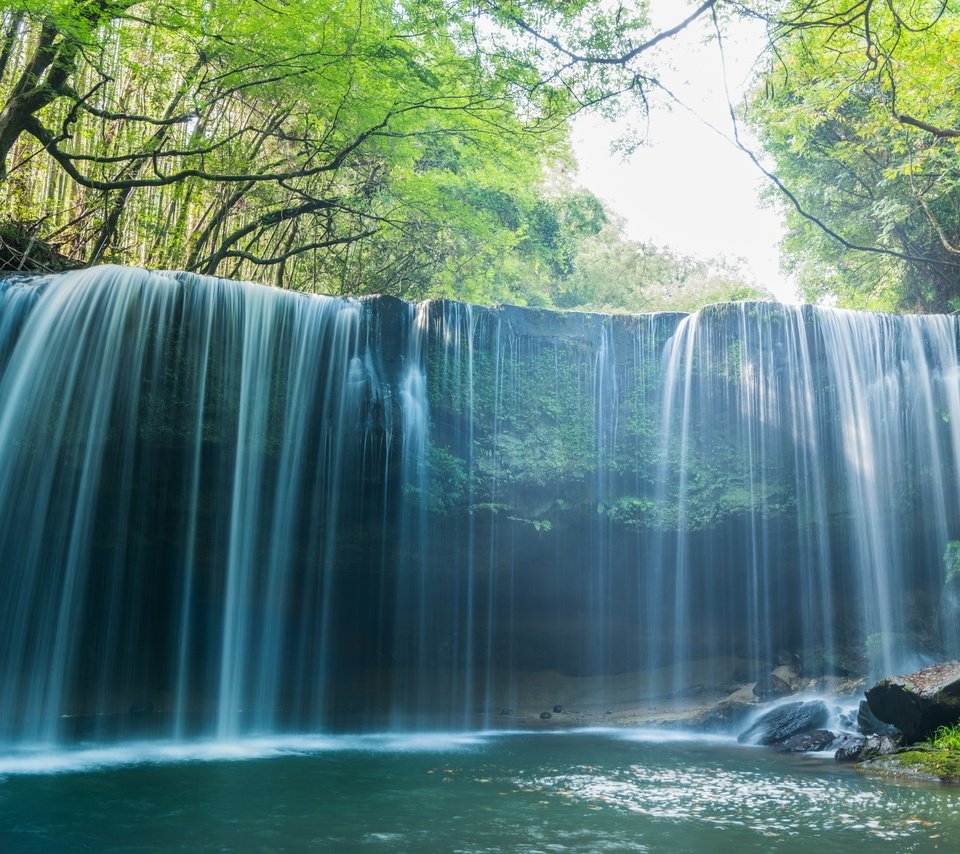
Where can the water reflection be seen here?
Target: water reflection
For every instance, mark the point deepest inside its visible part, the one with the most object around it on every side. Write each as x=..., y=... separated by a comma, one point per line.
x=483, y=792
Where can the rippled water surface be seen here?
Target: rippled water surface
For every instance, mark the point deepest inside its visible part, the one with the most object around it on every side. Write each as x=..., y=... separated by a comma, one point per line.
x=557, y=792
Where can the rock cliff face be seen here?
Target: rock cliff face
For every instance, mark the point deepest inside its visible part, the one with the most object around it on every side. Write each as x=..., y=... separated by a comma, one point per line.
x=221, y=497
x=919, y=703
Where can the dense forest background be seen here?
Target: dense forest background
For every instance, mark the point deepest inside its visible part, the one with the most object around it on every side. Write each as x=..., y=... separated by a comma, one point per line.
x=421, y=149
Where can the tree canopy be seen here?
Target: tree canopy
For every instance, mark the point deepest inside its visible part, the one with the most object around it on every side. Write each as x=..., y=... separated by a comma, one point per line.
x=421, y=148
x=857, y=110
x=253, y=139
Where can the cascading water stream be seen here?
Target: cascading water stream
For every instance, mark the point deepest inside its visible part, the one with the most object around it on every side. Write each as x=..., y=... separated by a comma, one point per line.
x=228, y=510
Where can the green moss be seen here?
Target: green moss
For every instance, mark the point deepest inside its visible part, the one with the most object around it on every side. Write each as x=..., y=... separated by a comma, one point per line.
x=941, y=763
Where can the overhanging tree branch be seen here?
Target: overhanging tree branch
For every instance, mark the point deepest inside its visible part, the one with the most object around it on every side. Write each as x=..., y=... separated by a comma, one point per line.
x=940, y=133
x=621, y=59
x=292, y=253
x=792, y=197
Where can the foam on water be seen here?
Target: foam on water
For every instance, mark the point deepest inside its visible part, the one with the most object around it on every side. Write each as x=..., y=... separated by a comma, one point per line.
x=80, y=759
x=41, y=759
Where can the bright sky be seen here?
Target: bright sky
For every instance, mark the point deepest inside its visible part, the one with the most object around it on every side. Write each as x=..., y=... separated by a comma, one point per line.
x=689, y=188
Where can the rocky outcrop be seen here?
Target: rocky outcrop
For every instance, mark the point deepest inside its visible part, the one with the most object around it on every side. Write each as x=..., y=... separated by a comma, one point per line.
x=919, y=703
x=779, y=725
x=857, y=748
x=807, y=742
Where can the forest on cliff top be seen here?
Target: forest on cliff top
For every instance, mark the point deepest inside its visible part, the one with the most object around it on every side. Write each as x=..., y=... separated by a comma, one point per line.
x=422, y=149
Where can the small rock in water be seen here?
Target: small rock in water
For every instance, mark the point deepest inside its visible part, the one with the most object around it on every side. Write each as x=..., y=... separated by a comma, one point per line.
x=545, y=716
x=806, y=742
x=849, y=747
x=878, y=745
x=506, y=711
x=557, y=709
x=787, y=720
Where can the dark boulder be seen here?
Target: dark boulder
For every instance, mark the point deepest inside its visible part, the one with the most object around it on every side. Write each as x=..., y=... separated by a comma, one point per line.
x=919, y=703
x=848, y=748
x=806, y=742
x=545, y=716
x=781, y=723
x=869, y=724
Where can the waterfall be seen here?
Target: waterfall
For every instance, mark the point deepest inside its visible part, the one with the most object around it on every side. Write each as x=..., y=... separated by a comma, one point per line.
x=228, y=510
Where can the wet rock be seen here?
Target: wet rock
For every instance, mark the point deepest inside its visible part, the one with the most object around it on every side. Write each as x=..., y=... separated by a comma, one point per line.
x=545, y=716
x=558, y=709
x=918, y=703
x=506, y=712
x=869, y=724
x=849, y=748
x=785, y=721
x=807, y=742
x=771, y=686
x=879, y=745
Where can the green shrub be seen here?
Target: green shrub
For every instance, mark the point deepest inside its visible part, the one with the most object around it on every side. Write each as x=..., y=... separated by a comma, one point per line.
x=947, y=737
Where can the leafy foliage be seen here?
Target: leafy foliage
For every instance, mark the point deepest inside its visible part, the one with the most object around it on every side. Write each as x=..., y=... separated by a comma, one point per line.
x=947, y=737
x=341, y=147
x=613, y=273
x=407, y=148
x=858, y=110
